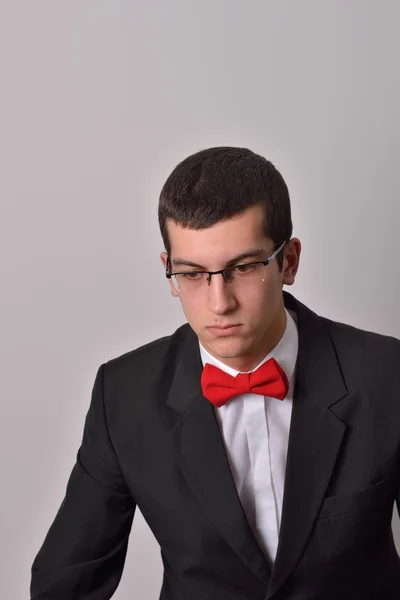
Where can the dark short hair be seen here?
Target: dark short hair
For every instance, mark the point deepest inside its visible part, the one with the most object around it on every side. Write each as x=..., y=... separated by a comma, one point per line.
x=218, y=183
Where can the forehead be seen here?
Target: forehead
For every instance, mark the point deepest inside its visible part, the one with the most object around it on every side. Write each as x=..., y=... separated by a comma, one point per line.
x=220, y=242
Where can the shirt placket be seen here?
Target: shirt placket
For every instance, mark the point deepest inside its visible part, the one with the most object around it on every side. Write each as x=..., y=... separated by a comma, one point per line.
x=255, y=416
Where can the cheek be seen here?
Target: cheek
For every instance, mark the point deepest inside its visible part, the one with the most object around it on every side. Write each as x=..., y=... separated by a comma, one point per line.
x=258, y=298
x=258, y=306
x=193, y=309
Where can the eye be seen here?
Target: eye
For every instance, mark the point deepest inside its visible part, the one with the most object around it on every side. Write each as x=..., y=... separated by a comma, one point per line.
x=246, y=268
x=192, y=276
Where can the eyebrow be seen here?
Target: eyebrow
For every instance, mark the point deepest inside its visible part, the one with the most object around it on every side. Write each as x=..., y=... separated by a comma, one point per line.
x=250, y=253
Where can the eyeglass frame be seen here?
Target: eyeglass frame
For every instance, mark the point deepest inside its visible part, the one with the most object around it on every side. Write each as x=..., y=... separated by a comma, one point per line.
x=222, y=271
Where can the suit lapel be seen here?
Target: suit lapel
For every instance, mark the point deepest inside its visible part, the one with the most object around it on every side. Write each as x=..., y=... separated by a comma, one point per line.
x=200, y=451
x=315, y=438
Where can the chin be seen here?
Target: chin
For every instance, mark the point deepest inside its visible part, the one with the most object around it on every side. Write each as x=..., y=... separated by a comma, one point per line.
x=229, y=346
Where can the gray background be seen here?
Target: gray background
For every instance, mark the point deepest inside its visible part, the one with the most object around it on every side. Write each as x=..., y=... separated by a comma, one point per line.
x=99, y=101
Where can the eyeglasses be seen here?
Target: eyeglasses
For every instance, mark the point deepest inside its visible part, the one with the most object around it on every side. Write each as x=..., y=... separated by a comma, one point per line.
x=246, y=275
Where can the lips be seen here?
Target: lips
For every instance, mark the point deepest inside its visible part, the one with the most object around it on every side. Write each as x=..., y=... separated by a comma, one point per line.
x=223, y=326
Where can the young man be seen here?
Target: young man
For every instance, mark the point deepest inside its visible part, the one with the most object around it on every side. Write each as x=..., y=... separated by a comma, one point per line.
x=260, y=440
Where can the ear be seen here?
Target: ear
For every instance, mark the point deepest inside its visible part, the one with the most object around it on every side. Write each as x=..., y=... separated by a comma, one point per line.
x=164, y=257
x=291, y=261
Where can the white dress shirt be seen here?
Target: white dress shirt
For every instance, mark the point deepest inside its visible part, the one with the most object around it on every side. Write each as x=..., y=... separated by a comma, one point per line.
x=255, y=430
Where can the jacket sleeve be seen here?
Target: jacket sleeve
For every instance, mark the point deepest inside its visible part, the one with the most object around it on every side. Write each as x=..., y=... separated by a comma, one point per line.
x=84, y=551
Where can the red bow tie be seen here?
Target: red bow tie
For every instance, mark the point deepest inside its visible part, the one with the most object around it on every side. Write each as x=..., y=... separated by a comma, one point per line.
x=268, y=380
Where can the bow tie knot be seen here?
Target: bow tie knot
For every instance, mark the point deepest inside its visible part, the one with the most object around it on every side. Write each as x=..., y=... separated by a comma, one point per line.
x=242, y=383
x=268, y=380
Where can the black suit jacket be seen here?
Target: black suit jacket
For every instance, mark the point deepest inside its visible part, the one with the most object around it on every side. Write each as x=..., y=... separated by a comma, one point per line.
x=151, y=439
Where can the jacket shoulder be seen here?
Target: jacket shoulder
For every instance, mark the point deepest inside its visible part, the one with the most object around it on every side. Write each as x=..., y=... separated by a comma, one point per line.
x=149, y=355
x=363, y=335
x=135, y=382
x=364, y=344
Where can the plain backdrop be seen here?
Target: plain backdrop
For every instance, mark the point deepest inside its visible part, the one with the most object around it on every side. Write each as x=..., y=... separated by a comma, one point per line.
x=99, y=101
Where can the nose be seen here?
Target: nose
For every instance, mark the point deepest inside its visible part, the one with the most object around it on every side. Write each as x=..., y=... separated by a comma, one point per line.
x=221, y=298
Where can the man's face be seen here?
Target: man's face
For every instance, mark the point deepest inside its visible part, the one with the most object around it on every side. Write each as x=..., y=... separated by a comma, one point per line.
x=258, y=310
